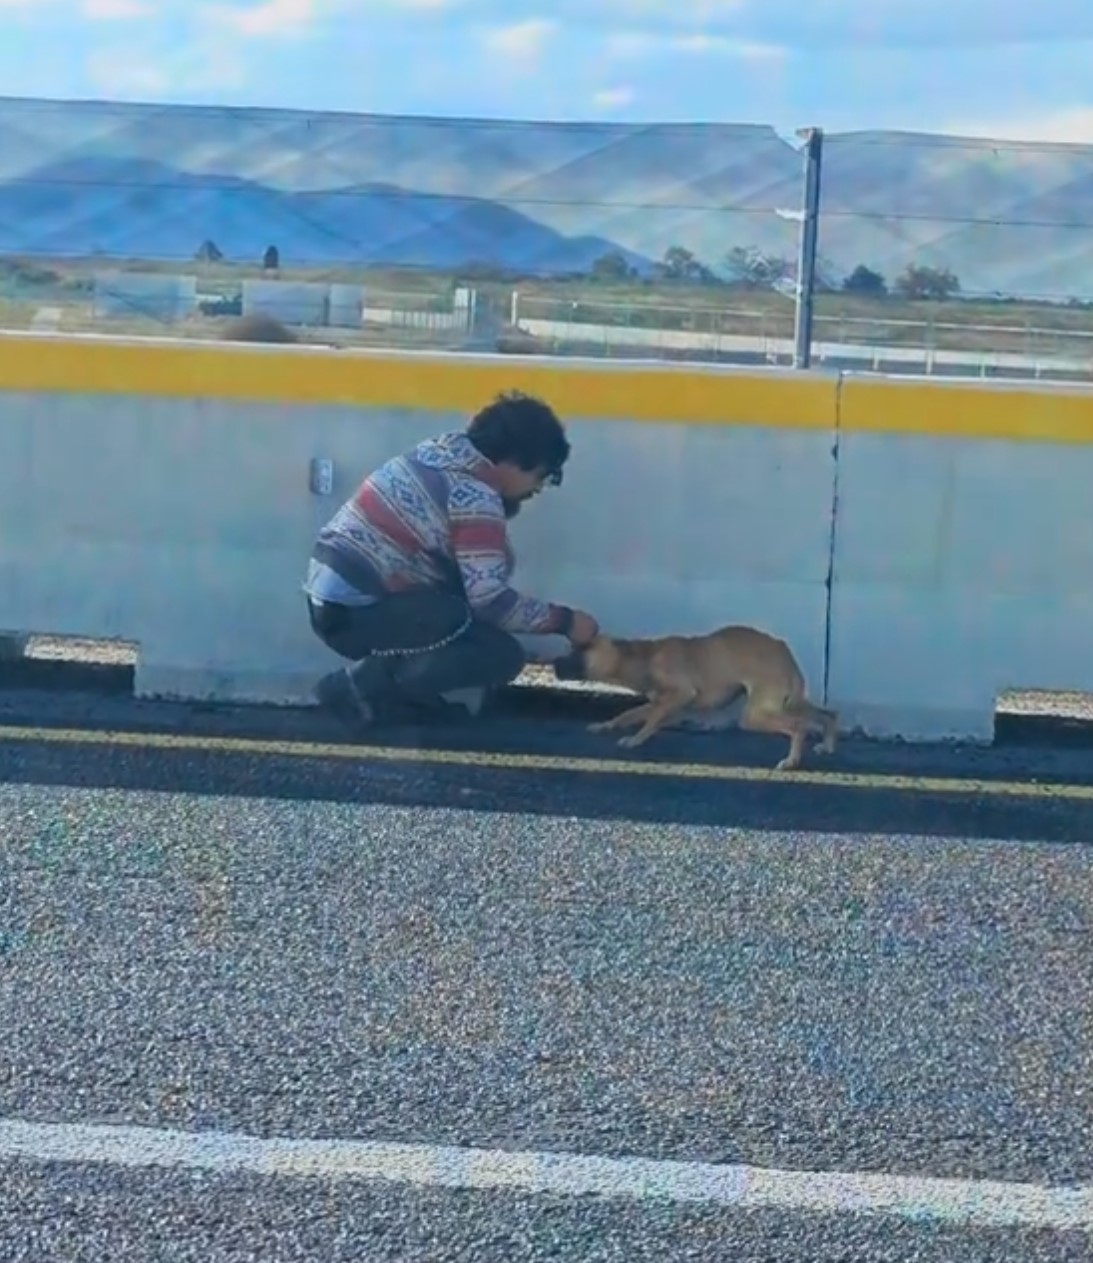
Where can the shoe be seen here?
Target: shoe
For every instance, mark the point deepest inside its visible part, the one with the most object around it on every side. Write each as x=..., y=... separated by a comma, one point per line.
x=473, y=700
x=439, y=711
x=338, y=693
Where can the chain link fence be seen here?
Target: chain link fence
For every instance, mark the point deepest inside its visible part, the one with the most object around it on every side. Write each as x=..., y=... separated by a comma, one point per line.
x=935, y=255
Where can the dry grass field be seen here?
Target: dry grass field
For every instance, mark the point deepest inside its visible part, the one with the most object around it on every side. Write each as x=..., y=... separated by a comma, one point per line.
x=63, y=290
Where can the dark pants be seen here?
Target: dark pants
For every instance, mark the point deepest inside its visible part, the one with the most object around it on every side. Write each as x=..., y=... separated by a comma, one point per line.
x=411, y=647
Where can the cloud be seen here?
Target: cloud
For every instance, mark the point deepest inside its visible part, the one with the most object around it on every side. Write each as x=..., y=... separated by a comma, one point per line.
x=844, y=24
x=613, y=98
x=749, y=51
x=630, y=45
x=291, y=17
x=723, y=46
x=523, y=41
x=909, y=24
x=279, y=17
x=128, y=72
x=93, y=10
x=1069, y=127
x=125, y=72
x=690, y=12
x=271, y=17
x=115, y=10
x=627, y=44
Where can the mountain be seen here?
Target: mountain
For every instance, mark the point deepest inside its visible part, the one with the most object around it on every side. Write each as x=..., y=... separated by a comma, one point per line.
x=145, y=209
x=1015, y=219
x=133, y=181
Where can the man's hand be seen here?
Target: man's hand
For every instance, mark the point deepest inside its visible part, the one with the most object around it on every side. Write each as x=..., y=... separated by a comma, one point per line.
x=585, y=629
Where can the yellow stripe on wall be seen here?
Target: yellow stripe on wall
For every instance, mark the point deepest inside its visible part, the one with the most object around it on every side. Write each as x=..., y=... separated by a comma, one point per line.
x=615, y=391
x=1027, y=413
x=452, y=383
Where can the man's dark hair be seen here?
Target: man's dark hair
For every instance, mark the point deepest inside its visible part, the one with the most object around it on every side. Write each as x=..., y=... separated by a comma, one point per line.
x=523, y=431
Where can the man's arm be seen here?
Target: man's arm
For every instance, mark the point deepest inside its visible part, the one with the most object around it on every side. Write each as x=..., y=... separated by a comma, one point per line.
x=479, y=545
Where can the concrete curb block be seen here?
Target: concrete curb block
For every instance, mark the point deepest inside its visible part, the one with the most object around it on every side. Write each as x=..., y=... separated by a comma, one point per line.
x=100, y=669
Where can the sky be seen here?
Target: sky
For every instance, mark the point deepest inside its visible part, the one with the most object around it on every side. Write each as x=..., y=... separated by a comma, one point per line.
x=964, y=67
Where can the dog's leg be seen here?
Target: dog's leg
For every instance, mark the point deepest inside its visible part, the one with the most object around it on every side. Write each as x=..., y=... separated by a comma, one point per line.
x=755, y=719
x=663, y=707
x=624, y=720
x=818, y=719
x=792, y=761
x=829, y=723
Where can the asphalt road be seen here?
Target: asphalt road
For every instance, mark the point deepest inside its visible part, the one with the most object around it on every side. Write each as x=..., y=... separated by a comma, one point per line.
x=876, y=978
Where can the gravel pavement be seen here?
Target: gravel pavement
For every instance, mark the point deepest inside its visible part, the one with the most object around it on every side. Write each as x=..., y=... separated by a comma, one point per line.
x=890, y=981
x=795, y=977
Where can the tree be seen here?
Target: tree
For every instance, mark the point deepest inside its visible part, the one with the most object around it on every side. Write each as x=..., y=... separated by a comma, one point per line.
x=271, y=260
x=918, y=282
x=612, y=266
x=752, y=268
x=209, y=252
x=825, y=277
x=680, y=264
x=865, y=283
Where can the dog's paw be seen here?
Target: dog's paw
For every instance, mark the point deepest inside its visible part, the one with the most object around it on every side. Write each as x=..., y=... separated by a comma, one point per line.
x=632, y=742
x=787, y=765
x=823, y=748
x=602, y=726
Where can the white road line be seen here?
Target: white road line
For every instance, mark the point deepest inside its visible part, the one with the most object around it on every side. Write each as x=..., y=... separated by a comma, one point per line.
x=967, y=1203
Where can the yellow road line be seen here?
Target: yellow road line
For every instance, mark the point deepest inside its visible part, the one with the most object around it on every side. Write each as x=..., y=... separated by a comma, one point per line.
x=546, y=763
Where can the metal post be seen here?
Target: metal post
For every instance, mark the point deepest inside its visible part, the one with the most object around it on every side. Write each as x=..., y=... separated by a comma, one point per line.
x=806, y=254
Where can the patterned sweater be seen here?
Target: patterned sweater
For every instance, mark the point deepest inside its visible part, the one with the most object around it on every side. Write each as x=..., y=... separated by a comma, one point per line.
x=430, y=518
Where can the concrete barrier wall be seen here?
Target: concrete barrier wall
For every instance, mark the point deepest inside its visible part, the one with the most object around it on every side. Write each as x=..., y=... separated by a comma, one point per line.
x=157, y=491
x=963, y=562
x=923, y=547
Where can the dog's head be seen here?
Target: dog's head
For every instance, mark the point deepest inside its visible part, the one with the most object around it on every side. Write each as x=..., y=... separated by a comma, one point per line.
x=597, y=662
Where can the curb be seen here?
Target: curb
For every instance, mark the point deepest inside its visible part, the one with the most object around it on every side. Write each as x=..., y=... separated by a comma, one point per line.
x=535, y=694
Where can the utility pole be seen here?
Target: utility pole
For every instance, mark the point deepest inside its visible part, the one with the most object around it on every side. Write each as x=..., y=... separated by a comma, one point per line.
x=806, y=253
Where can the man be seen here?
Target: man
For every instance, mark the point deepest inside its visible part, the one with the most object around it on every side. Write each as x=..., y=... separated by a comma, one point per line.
x=410, y=580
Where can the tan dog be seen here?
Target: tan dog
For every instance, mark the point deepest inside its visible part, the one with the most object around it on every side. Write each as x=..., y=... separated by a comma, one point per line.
x=706, y=673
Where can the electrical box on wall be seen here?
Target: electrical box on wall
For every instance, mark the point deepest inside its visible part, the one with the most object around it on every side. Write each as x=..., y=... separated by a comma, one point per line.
x=322, y=477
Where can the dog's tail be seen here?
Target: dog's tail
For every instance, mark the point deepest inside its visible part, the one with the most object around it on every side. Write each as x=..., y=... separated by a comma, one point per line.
x=798, y=705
